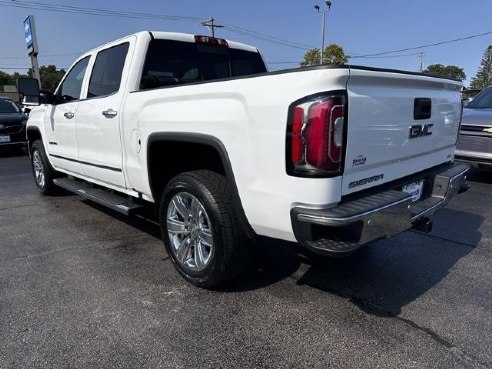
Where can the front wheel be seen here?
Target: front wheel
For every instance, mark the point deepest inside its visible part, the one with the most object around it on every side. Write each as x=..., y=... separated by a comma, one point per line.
x=41, y=169
x=201, y=232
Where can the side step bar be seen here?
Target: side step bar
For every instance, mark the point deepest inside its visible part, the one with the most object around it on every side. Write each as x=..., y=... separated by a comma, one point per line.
x=113, y=201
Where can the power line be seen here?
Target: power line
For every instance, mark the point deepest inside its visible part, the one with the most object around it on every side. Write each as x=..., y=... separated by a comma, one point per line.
x=230, y=27
x=41, y=56
x=261, y=36
x=388, y=56
x=58, y=68
x=369, y=57
x=93, y=11
x=423, y=46
x=210, y=23
x=14, y=68
x=125, y=14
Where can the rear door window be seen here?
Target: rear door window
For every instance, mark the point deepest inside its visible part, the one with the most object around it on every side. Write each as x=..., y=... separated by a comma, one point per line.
x=107, y=71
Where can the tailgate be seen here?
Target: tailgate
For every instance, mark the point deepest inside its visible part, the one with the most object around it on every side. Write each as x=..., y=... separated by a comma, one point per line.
x=398, y=124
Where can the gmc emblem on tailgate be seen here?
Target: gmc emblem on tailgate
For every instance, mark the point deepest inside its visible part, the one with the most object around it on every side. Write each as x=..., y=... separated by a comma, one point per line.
x=420, y=130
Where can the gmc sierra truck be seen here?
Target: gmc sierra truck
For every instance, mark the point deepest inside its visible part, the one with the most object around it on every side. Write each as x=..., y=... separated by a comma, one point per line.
x=332, y=157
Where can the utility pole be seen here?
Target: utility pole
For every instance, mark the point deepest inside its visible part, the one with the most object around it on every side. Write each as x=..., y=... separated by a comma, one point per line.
x=323, y=23
x=35, y=69
x=421, y=56
x=210, y=23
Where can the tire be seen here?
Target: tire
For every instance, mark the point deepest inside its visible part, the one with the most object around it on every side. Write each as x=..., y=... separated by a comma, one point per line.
x=201, y=232
x=43, y=172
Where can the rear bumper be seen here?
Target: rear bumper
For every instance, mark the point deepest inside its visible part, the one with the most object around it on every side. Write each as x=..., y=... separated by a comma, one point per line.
x=351, y=224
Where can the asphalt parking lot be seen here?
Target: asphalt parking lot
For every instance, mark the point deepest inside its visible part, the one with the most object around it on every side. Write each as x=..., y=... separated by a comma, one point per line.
x=81, y=286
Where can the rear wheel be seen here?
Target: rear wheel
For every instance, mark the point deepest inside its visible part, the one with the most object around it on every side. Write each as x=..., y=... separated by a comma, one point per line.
x=200, y=229
x=42, y=170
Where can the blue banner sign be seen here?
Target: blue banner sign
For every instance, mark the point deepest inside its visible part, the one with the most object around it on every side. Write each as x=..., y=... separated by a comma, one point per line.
x=30, y=36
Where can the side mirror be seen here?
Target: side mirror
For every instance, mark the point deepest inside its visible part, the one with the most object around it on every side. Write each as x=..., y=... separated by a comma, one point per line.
x=47, y=97
x=28, y=91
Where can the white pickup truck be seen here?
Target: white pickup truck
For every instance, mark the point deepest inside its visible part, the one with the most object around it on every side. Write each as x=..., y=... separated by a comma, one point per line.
x=332, y=157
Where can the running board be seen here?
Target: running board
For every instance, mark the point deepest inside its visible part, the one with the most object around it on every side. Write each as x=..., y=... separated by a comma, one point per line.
x=118, y=203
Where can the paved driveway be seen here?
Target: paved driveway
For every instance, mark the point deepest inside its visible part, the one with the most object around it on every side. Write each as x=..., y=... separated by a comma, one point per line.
x=81, y=286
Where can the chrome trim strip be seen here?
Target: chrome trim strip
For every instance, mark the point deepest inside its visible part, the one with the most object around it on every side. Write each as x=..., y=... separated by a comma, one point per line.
x=330, y=221
x=446, y=197
x=86, y=163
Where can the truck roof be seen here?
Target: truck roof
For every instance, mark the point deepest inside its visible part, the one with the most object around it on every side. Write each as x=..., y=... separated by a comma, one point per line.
x=185, y=37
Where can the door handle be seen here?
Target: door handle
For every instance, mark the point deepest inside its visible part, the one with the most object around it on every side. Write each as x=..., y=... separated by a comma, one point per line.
x=110, y=113
x=69, y=115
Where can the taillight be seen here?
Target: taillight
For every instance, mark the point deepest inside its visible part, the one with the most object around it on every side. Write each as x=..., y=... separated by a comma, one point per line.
x=297, y=152
x=316, y=135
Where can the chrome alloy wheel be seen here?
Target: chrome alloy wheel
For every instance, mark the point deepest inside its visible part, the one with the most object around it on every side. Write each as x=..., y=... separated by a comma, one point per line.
x=189, y=231
x=37, y=165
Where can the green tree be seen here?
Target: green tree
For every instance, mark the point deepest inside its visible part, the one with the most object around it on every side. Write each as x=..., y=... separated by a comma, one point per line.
x=483, y=78
x=16, y=76
x=6, y=79
x=333, y=54
x=311, y=57
x=451, y=71
x=50, y=77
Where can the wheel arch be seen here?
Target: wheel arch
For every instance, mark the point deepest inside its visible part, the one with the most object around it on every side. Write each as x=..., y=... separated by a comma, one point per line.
x=33, y=133
x=209, y=147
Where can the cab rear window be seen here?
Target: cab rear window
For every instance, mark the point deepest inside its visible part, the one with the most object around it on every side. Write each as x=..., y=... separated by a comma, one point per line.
x=171, y=62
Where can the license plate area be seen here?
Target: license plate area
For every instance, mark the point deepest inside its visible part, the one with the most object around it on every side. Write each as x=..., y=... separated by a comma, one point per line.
x=415, y=189
x=4, y=138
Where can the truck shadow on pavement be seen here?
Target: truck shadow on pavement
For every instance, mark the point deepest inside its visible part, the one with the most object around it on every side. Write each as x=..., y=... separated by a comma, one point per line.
x=483, y=176
x=379, y=279
x=384, y=277
x=144, y=221
x=7, y=152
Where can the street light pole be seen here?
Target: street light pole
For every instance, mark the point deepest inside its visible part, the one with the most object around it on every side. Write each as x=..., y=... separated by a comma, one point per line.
x=323, y=36
x=323, y=23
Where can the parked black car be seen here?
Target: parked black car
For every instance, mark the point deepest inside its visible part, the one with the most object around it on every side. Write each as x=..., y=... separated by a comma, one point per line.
x=12, y=123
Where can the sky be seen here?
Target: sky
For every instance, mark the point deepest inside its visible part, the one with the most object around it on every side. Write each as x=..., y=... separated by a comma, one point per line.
x=282, y=30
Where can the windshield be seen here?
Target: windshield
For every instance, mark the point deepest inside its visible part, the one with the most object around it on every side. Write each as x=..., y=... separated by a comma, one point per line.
x=8, y=106
x=483, y=100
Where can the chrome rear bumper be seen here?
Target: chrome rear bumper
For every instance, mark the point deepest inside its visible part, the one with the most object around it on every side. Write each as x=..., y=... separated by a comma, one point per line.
x=346, y=227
